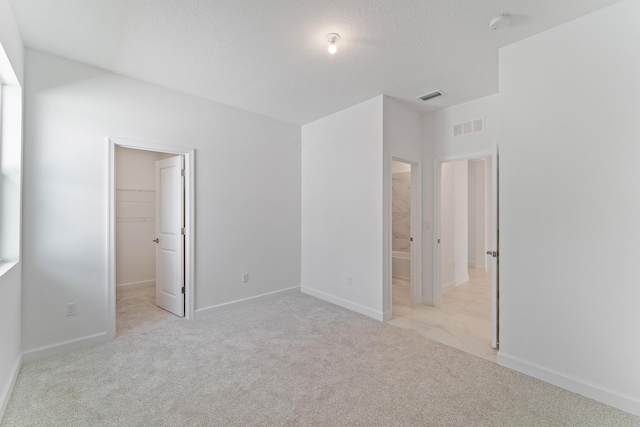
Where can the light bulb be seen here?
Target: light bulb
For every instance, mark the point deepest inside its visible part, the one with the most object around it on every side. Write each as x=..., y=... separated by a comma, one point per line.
x=332, y=38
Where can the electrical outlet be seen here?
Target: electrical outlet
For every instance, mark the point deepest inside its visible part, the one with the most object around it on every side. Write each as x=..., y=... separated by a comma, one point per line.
x=72, y=309
x=245, y=277
x=349, y=281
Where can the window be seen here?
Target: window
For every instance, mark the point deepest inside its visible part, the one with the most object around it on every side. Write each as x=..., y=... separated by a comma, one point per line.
x=10, y=167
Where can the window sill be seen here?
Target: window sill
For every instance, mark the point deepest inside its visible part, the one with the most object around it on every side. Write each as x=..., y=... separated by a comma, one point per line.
x=5, y=266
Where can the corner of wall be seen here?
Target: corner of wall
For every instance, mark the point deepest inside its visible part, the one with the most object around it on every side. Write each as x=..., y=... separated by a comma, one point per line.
x=8, y=388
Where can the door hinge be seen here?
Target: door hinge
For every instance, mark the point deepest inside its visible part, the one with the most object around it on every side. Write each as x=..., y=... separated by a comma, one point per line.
x=183, y=289
x=183, y=231
x=411, y=239
x=182, y=172
x=438, y=240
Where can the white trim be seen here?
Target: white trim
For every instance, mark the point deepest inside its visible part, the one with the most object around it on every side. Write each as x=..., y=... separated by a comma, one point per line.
x=454, y=284
x=436, y=287
x=605, y=395
x=479, y=155
x=64, y=347
x=428, y=301
x=189, y=254
x=464, y=279
x=5, y=266
x=207, y=311
x=446, y=288
x=136, y=284
x=377, y=315
x=8, y=388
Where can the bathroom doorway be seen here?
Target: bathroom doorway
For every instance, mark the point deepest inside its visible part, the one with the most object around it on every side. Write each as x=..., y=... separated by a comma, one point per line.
x=402, y=247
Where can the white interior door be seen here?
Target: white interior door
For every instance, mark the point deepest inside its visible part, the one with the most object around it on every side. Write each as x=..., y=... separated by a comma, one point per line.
x=495, y=252
x=169, y=235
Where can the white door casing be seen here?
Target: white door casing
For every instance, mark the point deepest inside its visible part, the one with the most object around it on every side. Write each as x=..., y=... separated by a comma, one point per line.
x=495, y=255
x=169, y=235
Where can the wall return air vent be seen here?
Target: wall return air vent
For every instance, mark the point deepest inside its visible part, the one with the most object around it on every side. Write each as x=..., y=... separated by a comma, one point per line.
x=466, y=128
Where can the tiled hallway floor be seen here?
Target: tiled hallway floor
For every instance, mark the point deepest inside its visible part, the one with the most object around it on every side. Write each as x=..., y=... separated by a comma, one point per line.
x=462, y=321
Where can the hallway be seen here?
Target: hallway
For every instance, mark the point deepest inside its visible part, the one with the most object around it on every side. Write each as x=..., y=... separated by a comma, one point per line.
x=462, y=321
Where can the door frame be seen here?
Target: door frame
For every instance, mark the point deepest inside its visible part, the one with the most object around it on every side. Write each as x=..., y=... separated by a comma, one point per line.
x=437, y=196
x=189, y=206
x=437, y=288
x=416, y=233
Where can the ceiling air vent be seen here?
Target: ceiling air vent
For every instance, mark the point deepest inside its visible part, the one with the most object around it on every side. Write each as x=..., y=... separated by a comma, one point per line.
x=466, y=128
x=431, y=95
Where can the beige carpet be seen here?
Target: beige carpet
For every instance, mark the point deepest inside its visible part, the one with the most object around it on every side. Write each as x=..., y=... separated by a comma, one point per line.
x=292, y=360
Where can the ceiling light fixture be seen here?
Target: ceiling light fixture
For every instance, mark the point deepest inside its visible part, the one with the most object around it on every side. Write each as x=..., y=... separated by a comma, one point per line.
x=500, y=21
x=332, y=38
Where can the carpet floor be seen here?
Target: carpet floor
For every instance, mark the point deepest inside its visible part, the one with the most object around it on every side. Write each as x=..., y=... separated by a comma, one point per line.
x=292, y=360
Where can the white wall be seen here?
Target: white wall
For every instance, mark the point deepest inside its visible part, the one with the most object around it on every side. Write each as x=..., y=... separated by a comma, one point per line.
x=477, y=225
x=342, y=220
x=447, y=221
x=439, y=144
x=489, y=240
x=11, y=72
x=461, y=221
x=441, y=122
x=135, y=221
x=472, y=214
x=400, y=167
x=11, y=41
x=402, y=139
x=454, y=220
x=247, y=187
x=570, y=205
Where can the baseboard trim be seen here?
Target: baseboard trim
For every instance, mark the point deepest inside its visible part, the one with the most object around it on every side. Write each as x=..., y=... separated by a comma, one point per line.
x=8, y=388
x=387, y=315
x=451, y=285
x=592, y=391
x=446, y=288
x=464, y=279
x=137, y=284
x=207, y=311
x=64, y=347
x=378, y=315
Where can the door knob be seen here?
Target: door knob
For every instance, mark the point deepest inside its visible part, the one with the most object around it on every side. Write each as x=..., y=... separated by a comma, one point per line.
x=156, y=240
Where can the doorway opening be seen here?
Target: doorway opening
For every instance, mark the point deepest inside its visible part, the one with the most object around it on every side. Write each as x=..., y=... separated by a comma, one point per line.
x=403, y=238
x=402, y=280
x=466, y=270
x=150, y=234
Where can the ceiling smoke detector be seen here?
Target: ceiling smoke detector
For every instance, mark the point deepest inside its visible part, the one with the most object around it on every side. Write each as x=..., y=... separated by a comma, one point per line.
x=500, y=22
x=431, y=95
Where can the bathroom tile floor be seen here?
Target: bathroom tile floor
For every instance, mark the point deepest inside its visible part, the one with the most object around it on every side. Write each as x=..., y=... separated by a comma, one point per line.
x=462, y=321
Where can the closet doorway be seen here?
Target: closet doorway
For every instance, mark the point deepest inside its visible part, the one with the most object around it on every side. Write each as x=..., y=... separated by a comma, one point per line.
x=151, y=242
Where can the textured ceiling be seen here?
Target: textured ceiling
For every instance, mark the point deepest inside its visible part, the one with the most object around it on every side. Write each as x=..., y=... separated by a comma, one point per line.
x=270, y=57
